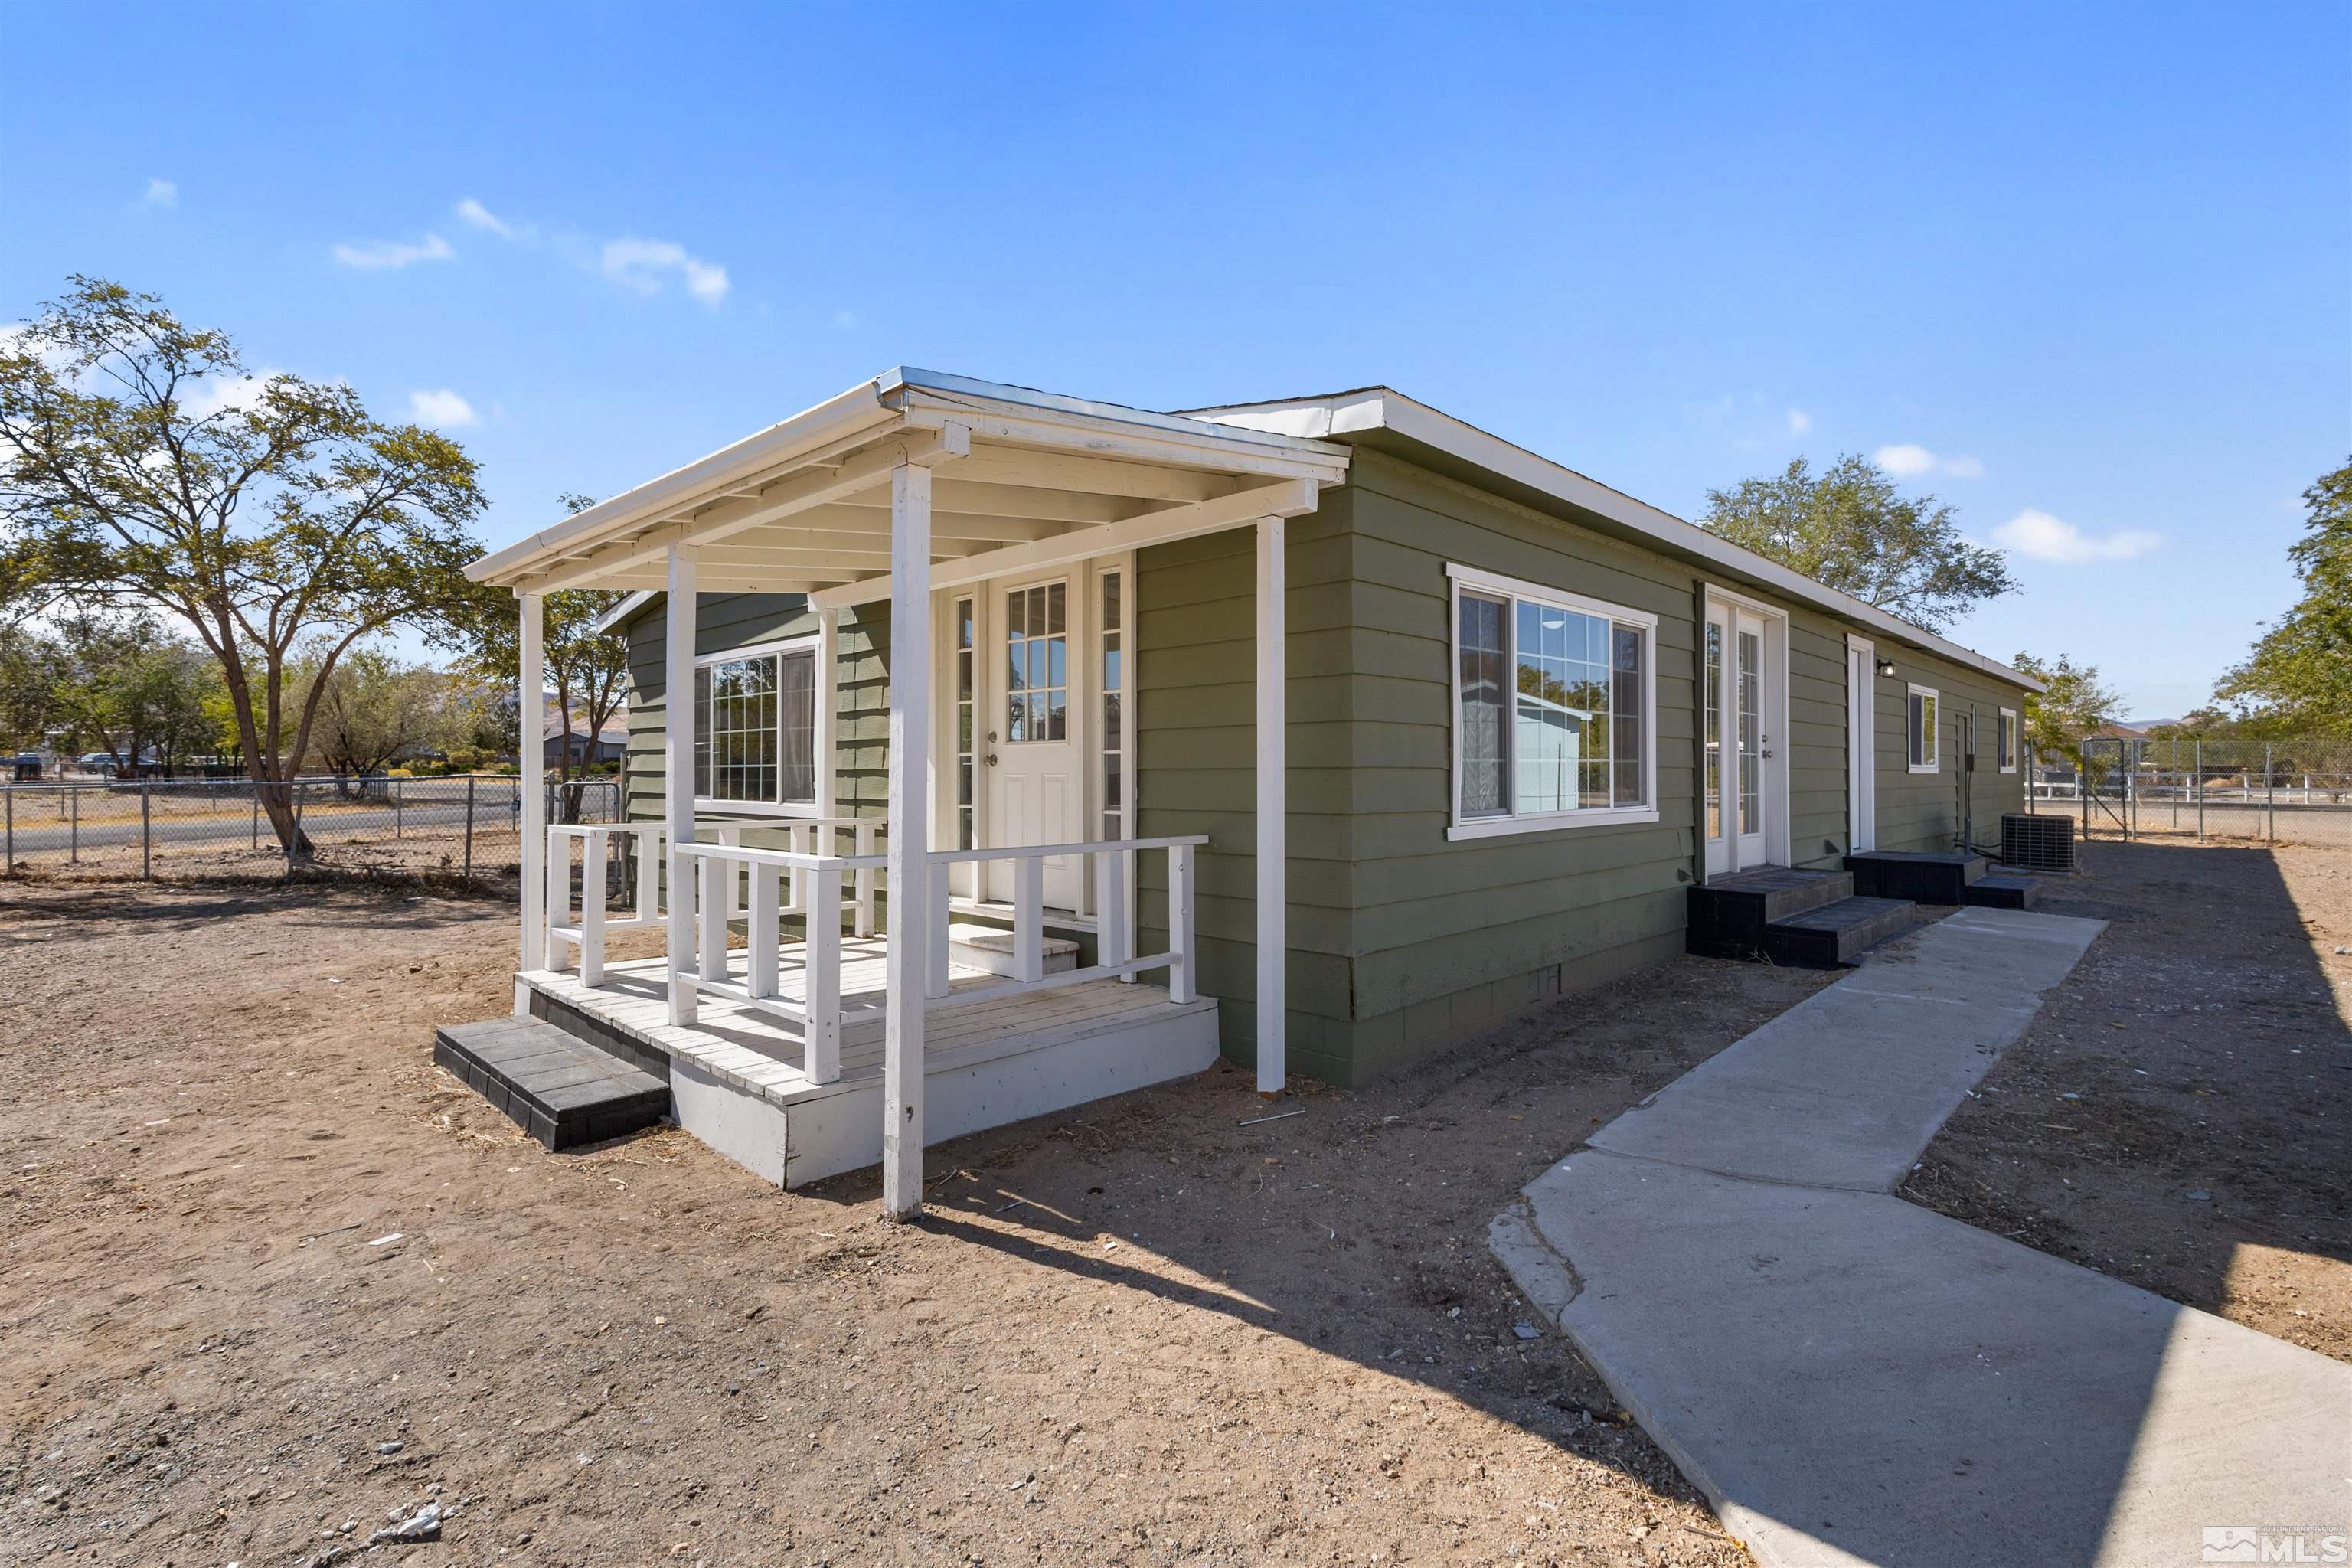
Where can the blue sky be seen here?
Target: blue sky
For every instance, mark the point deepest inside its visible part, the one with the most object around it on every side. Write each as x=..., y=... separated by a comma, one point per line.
x=2086, y=272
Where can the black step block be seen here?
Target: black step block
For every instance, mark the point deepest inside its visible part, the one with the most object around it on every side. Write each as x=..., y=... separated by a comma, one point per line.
x=558, y=1088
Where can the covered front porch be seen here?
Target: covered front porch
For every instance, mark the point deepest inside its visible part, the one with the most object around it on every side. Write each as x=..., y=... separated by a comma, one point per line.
x=837, y=989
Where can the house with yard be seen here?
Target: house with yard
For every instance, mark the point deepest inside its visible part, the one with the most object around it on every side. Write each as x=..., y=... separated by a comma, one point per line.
x=1035, y=749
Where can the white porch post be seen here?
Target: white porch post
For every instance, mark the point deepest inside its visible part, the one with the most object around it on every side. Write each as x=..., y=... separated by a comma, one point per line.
x=910, y=854
x=1272, y=806
x=678, y=773
x=530, y=738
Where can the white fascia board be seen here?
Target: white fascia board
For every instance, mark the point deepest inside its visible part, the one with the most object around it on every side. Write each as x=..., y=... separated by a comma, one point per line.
x=1383, y=408
x=618, y=616
x=836, y=418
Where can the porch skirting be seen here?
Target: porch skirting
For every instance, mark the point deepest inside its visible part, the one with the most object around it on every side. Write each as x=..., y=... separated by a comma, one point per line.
x=736, y=1084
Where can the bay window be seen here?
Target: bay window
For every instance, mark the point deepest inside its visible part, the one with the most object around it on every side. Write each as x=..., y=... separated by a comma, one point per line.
x=1555, y=697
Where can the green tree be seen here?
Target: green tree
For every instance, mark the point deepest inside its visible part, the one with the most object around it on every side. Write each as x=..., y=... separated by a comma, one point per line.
x=97, y=682
x=1849, y=527
x=2300, y=672
x=588, y=669
x=375, y=710
x=2075, y=703
x=141, y=467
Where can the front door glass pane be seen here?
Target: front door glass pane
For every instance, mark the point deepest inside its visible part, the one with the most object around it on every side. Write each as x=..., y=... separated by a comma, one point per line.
x=1714, y=746
x=1038, y=659
x=1751, y=697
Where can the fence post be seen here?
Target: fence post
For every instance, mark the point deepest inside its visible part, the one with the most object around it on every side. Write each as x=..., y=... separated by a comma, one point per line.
x=2270, y=799
x=257, y=819
x=2199, y=765
x=11, y=864
x=73, y=834
x=146, y=831
x=395, y=808
x=2176, y=781
x=469, y=874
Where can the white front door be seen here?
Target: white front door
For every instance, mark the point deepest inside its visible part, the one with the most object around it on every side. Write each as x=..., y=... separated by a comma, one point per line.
x=1741, y=795
x=1036, y=782
x=1861, y=745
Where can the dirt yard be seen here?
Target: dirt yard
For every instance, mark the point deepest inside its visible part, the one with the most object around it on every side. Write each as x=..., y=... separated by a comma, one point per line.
x=272, y=1278
x=2180, y=1115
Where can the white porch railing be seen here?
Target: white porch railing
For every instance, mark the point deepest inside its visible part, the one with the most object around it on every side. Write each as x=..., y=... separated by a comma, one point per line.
x=596, y=920
x=806, y=836
x=763, y=886
x=1115, y=956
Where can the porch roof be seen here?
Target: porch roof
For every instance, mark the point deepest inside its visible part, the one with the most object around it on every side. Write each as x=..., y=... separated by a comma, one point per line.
x=1024, y=480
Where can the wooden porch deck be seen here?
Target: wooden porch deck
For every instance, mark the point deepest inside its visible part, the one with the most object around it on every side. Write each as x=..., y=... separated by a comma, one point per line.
x=736, y=1073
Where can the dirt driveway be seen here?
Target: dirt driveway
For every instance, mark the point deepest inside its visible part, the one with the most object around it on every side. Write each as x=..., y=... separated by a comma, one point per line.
x=2180, y=1115
x=271, y=1277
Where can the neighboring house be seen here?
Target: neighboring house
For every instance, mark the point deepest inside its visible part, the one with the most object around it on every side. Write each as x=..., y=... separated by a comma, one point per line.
x=611, y=744
x=1520, y=713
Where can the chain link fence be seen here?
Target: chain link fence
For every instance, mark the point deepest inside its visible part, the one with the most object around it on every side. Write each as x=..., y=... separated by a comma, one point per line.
x=467, y=828
x=2292, y=790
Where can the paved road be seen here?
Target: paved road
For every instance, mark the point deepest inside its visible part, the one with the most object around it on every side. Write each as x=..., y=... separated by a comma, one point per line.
x=1852, y=1379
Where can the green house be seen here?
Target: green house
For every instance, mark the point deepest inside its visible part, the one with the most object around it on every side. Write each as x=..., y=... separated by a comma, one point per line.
x=1321, y=734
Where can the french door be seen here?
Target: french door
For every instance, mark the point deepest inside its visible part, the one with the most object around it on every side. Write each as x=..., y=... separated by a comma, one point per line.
x=1743, y=790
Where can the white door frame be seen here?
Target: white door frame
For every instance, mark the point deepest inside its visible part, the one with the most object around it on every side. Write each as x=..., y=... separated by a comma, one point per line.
x=1083, y=616
x=1772, y=785
x=1860, y=744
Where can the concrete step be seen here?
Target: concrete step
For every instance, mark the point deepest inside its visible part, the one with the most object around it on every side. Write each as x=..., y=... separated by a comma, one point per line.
x=990, y=948
x=1727, y=915
x=553, y=1085
x=1837, y=934
x=2004, y=890
x=1925, y=878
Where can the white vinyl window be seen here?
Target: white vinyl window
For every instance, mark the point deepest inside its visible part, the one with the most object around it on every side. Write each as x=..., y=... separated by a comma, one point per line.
x=2005, y=742
x=1554, y=707
x=755, y=731
x=1923, y=729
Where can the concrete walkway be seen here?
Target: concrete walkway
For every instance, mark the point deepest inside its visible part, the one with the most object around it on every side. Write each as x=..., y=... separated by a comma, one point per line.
x=1852, y=1379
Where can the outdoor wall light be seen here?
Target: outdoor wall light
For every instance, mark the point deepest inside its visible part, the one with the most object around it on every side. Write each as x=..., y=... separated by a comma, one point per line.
x=1886, y=669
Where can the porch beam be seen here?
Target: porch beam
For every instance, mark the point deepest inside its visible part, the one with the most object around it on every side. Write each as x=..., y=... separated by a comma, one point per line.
x=1207, y=452
x=860, y=515
x=530, y=733
x=963, y=497
x=1286, y=499
x=1272, y=808
x=910, y=867
x=786, y=496
x=678, y=771
x=1100, y=475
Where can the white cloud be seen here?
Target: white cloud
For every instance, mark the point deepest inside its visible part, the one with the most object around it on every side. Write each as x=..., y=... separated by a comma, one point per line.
x=1905, y=461
x=2039, y=536
x=162, y=193
x=441, y=410
x=1908, y=460
x=480, y=216
x=1799, y=422
x=644, y=266
x=381, y=255
x=844, y=321
x=214, y=394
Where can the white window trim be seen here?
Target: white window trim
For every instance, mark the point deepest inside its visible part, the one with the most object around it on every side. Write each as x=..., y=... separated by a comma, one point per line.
x=820, y=740
x=1460, y=828
x=2015, y=735
x=1935, y=762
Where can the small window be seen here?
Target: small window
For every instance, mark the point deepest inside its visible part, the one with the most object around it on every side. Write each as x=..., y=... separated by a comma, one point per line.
x=965, y=652
x=755, y=727
x=1923, y=729
x=1553, y=697
x=1114, y=696
x=2006, y=741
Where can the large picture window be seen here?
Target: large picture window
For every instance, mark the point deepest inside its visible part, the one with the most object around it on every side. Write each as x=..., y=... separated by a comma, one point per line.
x=755, y=727
x=1554, y=696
